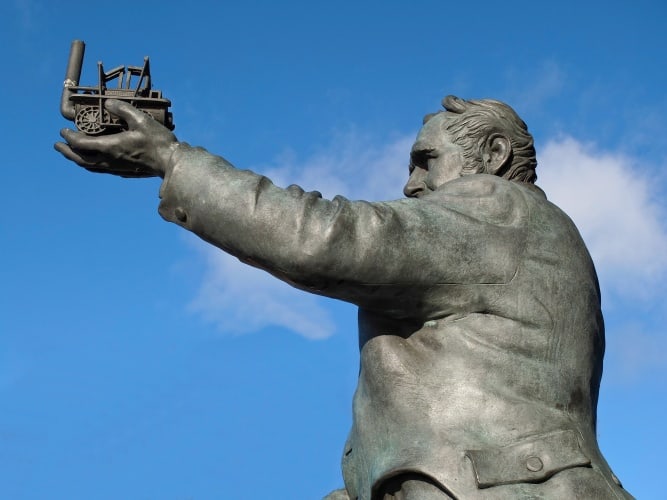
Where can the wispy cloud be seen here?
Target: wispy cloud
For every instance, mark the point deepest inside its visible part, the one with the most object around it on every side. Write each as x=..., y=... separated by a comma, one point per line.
x=615, y=207
x=241, y=299
x=532, y=89
x=621, y=217
x=353, y=165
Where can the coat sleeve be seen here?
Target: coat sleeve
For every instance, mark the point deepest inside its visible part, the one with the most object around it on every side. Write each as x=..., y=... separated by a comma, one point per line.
x=376, y=255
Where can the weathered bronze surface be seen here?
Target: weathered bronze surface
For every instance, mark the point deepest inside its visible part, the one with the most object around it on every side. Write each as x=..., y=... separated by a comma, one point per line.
x=480, y=328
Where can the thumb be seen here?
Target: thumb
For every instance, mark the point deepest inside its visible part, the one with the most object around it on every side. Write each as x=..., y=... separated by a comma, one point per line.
x=125, y=111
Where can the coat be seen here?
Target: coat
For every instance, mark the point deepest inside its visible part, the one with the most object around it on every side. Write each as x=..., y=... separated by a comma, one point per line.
x=480, y=330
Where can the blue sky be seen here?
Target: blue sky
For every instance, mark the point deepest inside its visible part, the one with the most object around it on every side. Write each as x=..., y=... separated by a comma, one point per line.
x=137, y=362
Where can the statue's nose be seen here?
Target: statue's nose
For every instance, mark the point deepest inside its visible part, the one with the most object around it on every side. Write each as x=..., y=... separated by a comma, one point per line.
x=413, y=187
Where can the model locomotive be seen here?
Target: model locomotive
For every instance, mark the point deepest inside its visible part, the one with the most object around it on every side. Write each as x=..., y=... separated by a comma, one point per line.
x=85, y=105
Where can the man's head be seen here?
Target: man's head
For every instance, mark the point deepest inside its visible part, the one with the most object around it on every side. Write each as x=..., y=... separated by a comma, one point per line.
x=471, y=137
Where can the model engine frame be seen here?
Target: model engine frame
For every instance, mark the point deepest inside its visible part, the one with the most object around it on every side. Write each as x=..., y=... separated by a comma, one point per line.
x=84, y=105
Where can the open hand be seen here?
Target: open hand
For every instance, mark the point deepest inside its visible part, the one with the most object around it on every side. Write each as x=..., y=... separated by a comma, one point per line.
x=143, y=150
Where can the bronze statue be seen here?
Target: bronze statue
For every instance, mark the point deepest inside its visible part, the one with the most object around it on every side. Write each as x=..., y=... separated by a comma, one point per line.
x=480, y=328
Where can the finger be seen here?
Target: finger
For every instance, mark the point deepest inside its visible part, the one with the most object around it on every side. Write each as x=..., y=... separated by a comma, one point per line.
x=67, y=152
x=101, y=167
x=125, y=111
x=87, y=161
x=79, y=140
x=82, y=142
x=138, y=174
x=69, y=134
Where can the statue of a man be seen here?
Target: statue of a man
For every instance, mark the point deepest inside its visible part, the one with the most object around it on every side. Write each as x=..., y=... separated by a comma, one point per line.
x=480, y=328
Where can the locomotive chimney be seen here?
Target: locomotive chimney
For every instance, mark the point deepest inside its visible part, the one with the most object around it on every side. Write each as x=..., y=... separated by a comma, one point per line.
x=72, y=76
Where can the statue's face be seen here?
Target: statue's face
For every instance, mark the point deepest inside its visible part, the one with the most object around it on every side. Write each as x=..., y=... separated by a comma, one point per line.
x=434, y=159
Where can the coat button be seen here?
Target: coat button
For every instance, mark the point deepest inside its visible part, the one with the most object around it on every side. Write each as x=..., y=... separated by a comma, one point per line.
x=180, y=214
x=534, y=464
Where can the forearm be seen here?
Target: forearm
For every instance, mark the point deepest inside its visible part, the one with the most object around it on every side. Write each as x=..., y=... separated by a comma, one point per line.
x=298, y=236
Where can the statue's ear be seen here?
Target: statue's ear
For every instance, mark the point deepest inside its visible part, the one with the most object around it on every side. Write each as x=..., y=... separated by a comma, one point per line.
x=497, y=154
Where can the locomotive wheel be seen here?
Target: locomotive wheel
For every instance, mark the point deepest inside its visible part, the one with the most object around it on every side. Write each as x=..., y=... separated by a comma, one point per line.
x=87, y=120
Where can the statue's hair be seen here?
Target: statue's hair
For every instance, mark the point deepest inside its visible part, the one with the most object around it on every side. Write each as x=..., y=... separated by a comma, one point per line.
x=471, y=123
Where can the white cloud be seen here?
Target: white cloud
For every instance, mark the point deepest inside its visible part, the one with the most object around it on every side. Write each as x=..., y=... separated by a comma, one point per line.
x=352, y=166
x=614, y=205
x=242, y=299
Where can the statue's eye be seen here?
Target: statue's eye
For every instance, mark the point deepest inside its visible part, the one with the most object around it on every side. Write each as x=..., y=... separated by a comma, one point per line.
x=420, y=157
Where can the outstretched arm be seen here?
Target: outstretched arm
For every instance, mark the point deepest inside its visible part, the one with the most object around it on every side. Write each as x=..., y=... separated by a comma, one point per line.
x=383, y=256
x=141, y=151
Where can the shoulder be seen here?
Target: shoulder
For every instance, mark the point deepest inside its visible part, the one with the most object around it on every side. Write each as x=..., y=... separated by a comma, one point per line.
x=485, y=185
x=488, y=197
